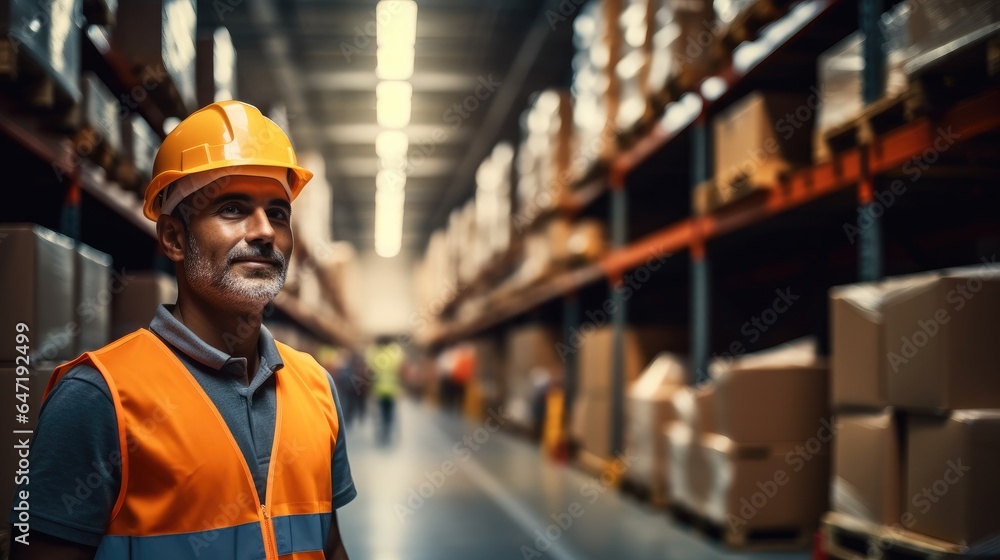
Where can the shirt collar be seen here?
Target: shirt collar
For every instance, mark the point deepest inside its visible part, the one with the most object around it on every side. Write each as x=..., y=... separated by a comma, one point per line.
x=184, y=340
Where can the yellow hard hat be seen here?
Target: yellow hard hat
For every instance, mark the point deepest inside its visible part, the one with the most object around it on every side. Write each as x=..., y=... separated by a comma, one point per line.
x=218, y=136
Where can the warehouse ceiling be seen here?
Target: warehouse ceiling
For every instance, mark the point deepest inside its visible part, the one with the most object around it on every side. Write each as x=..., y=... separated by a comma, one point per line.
x=317, y=59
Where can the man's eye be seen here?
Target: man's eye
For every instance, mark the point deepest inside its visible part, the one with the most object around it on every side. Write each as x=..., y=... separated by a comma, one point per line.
x=229, y=209
x=279, y=213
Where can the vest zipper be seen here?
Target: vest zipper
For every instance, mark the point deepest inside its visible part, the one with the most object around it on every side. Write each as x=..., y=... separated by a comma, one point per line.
x=269, y=549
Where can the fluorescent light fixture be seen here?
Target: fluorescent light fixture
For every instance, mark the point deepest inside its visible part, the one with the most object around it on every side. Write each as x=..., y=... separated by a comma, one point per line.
x=390, y=144
x=390, y=180
x=394, y=63
x=396, y=23
x=393, y=104
x=388, y=222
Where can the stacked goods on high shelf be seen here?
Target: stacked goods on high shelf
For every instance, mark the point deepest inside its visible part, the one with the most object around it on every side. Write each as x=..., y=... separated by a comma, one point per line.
x=932, y=37
x=139, y=145
x=636, y=26
x=99, y=121
x=435, y=276
x=40, y=50
x=680, y=56
x=543, y=159
x=462, y=240
x=531, y=361
x=749, y=455
x=839, y=77
x=158, y=39
x=216, y=67
x=493, y=208
x=648, y=412
x=918, y=413
x=596, y=96
x=592, y=404
x=756, y=141
x=63, y=293
x=741, y=21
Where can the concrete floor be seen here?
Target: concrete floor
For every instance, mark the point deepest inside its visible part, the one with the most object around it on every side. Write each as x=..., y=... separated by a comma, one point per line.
x=430, y=496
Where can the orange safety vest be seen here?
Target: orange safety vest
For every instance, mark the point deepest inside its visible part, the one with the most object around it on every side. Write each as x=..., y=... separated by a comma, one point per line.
x=186, y=490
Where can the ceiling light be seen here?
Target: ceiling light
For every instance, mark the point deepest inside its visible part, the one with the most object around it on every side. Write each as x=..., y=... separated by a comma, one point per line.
x=394, y=64
x=391, y=144
x=396, y=23
x=388, y=222
x=390, y=180
x=393, y=103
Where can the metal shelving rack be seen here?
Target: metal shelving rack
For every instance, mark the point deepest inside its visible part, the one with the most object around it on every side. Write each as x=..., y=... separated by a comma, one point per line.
x=856, y=168
x=82, y=176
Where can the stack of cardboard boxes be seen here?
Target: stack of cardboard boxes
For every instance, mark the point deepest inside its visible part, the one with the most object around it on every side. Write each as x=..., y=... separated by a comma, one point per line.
x=592, y=405
x=648, y=411
x=750, y=451
x=55, y=299
x=531, y=360
x=916, y=388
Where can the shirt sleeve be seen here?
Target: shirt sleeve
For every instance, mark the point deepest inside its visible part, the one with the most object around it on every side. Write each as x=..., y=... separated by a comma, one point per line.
x=343, y=483
x=75, y=460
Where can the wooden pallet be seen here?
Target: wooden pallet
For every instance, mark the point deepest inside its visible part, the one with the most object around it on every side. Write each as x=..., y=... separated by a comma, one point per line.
x=847, y=538
x=878, y=117
x=749, y=539
x=642, y=491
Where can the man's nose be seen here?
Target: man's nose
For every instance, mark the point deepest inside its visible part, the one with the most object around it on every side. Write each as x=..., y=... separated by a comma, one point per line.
x=259, y=228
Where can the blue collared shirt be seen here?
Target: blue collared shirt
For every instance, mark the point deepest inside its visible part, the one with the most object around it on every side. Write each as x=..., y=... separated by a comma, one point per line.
x=75, y=465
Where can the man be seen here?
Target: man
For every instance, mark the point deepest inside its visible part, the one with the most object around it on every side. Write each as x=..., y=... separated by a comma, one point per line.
x=201, y=437
x=385, y=360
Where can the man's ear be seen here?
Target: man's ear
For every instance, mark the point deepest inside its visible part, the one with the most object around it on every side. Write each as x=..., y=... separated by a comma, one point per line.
x=170, y=234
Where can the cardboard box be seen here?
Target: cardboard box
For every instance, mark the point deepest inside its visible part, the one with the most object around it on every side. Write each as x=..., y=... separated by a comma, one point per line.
x=588, y=241
x=867, y=481
x=952, y=488
x=38, y=378
x=941, y=338
x=99, y=117
x=596, y=350
x=93, y=295
x=216, y=67
x=36, y=288
x=158, y=36
x=592, y=424
x=857, y=341
x=51, y=42
x=139, y=146
x=755, y=143
x=754, y=487
x=135, y=305
x=776, y=403
x=938, y=28
x=679, y=441
x=528, y=348
x=649, y=410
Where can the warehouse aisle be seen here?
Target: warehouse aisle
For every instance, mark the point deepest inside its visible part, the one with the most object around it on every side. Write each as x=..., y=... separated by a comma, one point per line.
x=413, y=505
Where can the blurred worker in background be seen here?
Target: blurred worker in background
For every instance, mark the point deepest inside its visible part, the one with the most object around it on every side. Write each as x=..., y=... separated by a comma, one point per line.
x=202, y=436
x=385, y=361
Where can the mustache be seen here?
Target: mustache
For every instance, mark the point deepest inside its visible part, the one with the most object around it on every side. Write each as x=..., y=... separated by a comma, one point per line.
x=257, y=252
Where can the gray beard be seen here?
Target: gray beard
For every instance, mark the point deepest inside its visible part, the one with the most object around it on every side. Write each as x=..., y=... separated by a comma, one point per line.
x=242, y=293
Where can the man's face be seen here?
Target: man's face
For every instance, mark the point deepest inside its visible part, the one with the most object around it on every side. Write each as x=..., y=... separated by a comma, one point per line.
x=239, y=240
